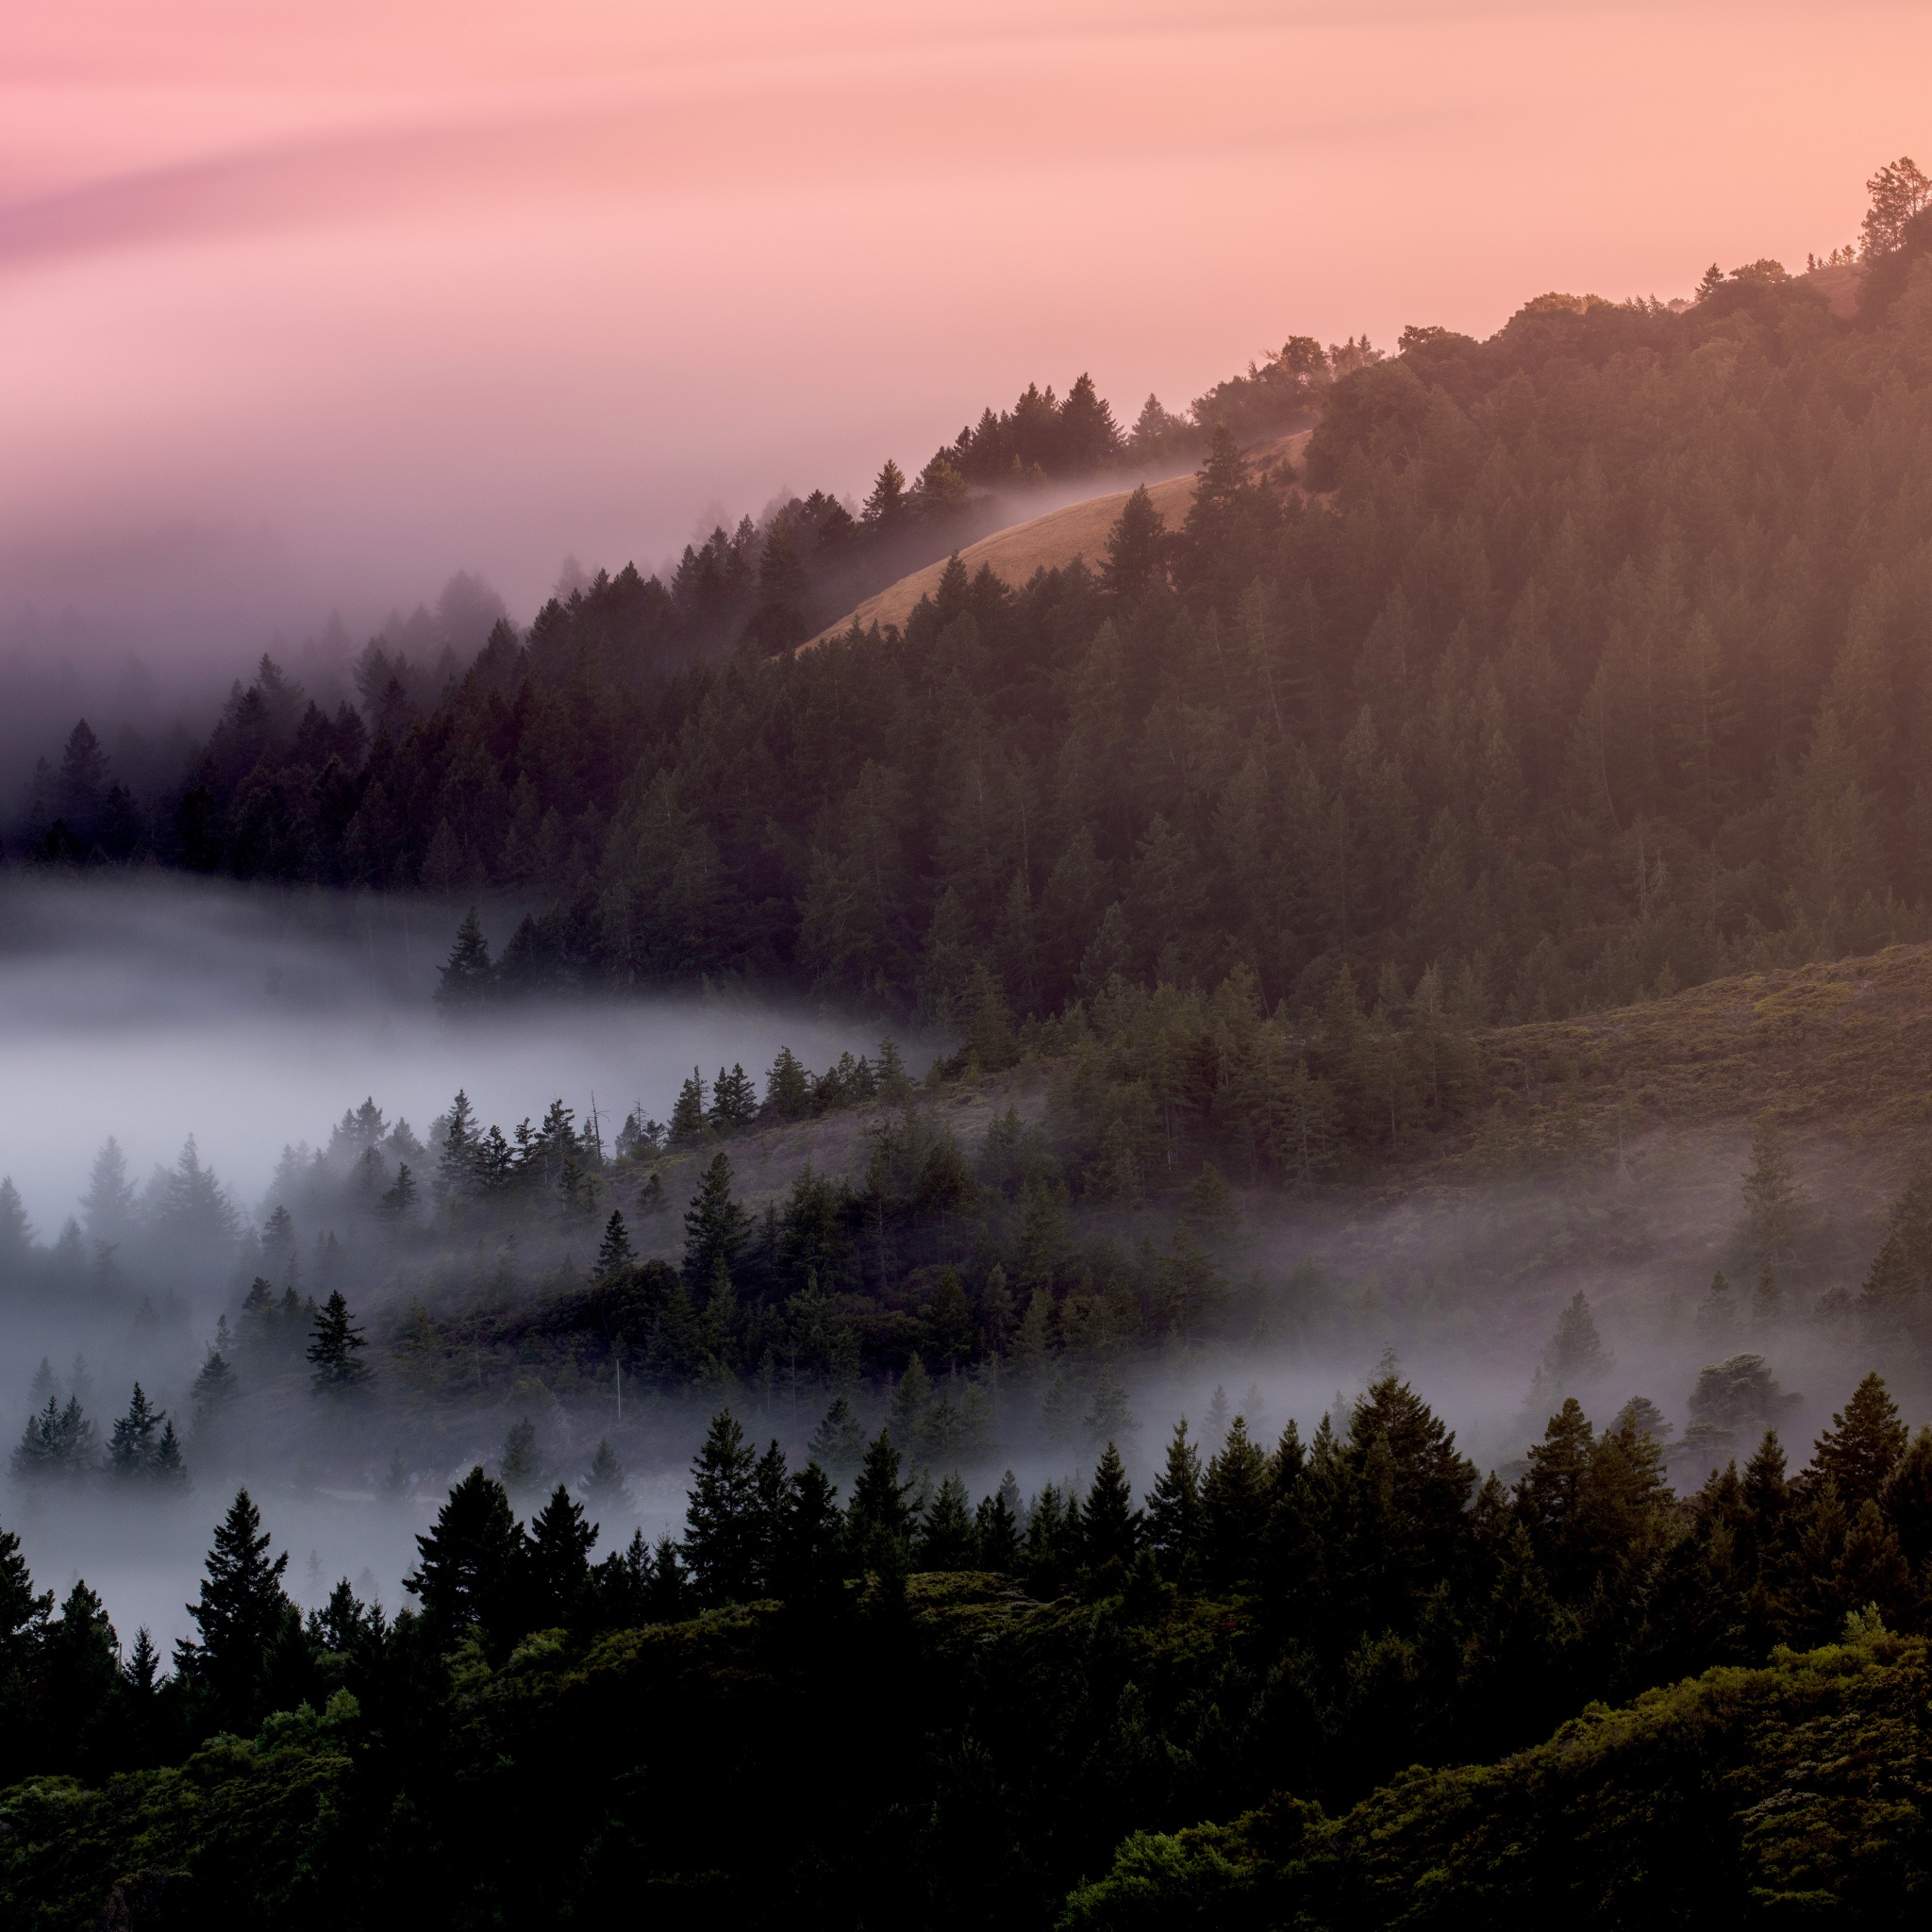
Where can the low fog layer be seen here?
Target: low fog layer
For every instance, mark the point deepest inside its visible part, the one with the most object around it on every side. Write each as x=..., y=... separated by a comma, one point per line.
x=152, y=1009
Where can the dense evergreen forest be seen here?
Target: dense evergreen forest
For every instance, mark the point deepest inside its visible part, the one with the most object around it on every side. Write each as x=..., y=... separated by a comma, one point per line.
x=280, y=763
x=1234, y=869
x=1578, y=661
x=900, y=1710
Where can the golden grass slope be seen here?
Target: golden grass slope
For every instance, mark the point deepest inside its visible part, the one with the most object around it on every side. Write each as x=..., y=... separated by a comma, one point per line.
x=1046, y=543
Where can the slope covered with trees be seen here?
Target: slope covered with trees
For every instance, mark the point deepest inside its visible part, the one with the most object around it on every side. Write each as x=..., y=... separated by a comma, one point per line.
x=899, y=1708
x=1591, y=659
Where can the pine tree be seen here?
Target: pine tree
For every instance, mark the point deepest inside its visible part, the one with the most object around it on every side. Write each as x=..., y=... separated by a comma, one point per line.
x=399, y=1199
x=470, y=1563
x=131, y=1447
x=109, y=1205
x=1109, y=1420
x=558, y=1563
x=169, y=1468
x=946, y=1538
x=1234, y=1506
x=216, y=1386
x=1216, y=1427
x=241, y=1611
x=1058, y=1411
x=771, y=1487
x=456, y=1161
x=139, y=1723
x=467, y=977
x=839, y=1444
x=734, y=1101
x=947, y=1323
x=1864, y=1444
x=1110, y=1526
x=722, y=1526
x=788, y=1088
x=716, y=1228
x=911, y=1398
x=671, y=1593
x=23, y=1615
x=16, y=1235
x=520, y=1467
x=604, y=1485
x=812, y=1556
x=996, y=1527
x=80, y=1682
x=33, y=1455
x=621, y=1585
x=878, y=1520
x=343, y=1624
x=332, y=1349
x=1053, y=1537
x=1137, y=549
x=615, y=1251
x=1173, y=1504
x=886, y=507
x=688, y=1122
x=1550, y=1498
x=894, y=1084
x=72, y=1447
x=1576, y=1357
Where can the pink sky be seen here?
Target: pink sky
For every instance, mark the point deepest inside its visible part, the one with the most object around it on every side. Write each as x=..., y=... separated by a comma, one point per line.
x=307, y=305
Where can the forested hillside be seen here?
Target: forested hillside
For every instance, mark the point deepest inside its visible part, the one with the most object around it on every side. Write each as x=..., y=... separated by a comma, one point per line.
x=1365, y=920
x=1582, y=661
x=771, y=1716
x=281, y=765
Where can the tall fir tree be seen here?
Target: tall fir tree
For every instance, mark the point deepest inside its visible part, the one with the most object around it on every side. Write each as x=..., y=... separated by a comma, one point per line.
x=333, y=1350
x=723, y=1524
x=558, y=1562
x=470, y=1563
x=615, y=1251
x=131, y=1447
x=716, y=1228
x=1173, y=1504
x=879, y=1517
x=604, y=1485
x=1864, y=1446
x=1110, y=1523
x=466, y=979
x=688, y=1114
x=239, y=1614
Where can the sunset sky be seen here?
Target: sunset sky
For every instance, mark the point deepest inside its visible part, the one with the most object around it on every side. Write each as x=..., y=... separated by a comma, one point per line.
x=305, y=306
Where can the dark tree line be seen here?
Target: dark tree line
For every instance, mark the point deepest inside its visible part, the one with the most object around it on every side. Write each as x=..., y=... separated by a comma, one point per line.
x=1029, y=1682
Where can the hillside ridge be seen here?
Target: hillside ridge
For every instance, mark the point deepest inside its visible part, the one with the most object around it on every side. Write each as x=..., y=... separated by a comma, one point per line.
x=1044, y=543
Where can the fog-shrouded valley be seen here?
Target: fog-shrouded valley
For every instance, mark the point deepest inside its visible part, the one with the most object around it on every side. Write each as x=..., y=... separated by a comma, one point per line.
x=1178, y=1174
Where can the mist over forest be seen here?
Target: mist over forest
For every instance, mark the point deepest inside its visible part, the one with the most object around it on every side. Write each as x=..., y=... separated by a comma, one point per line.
x=1240, y=1235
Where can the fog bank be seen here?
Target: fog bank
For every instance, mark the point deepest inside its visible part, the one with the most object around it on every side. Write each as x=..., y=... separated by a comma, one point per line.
x=152, y=1008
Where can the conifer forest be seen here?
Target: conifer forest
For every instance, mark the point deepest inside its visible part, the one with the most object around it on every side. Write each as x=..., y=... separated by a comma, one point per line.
x=1236, y=1237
